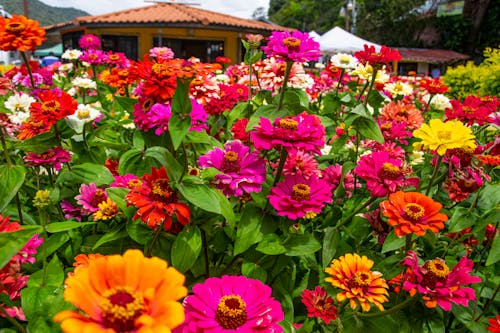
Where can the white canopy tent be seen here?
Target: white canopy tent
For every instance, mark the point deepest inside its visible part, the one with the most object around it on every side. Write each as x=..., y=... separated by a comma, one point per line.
x=314, y=35
x=338, y=40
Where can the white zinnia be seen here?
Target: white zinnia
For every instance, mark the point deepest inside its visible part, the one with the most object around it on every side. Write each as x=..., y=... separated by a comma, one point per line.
x=399, y=89
x=19, y=102
x=439, y=102
x=85, y=83
x=83, y=114
x=345, y=61
x=71, y=54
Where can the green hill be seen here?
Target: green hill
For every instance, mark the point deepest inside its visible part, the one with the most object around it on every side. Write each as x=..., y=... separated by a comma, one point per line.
x=41, y=12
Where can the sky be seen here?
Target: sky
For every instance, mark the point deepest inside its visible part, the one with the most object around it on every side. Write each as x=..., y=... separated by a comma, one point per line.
x=239, y=8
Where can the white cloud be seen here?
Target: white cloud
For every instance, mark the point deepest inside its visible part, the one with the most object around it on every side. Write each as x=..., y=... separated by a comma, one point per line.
x=239, y=8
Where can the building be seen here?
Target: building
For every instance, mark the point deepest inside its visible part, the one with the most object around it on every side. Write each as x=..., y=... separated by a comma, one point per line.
x=424, y=61
x=187, y=30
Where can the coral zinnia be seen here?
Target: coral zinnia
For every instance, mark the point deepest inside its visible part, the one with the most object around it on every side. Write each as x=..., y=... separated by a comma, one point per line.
x=231, y=304
x=296, y=197
x=441, y=136
x=352, y=274
x=128, y=293
x=20, y=33
x=377, y=59
x=319, y=304
x=302, y=132
x=156, y=201
x=296, y=46
x=437, y=284
x=413, y=213
x=242, y=171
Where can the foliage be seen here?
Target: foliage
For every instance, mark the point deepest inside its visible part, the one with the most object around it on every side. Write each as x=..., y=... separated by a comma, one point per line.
x=471, y=79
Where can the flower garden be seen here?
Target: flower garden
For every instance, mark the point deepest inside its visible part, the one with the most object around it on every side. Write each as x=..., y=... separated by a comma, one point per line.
x=171, y=195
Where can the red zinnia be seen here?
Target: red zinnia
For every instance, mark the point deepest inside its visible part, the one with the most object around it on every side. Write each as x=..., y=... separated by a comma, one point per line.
x=319, y=304
x=433, y=86
x=156, y=201
x=383, y=57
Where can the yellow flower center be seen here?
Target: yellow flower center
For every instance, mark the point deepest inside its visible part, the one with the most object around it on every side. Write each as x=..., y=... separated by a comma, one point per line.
x=301, y=192
x=161, y=70
x=15, y=27
x=50, y=106
x=83, y=115
x=114, y=57
x=414, y=212
x=107, y=210
x=134, y=183
x=120, y=308
x=289, y=124
x=231, y=156
x=161, y=190
x=437, y=271
x=390, y=170
x=444, y=135
x=345, y=60
x=147, y=104
x=291, y=42
x=468, y=110
x=230, y=162
x=231, y=312
x=361, y=279
x=310, y=215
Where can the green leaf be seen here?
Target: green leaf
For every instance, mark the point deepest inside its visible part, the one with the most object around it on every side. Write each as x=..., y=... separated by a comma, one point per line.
x=271, y=244
x=330, y=241
x=249, y=229
x=14, y=241
x=304, y=244
x=207, y=199
x=52, y=244
x=11, y=180
x=186, y=248
x=65, y=226
x=254, y=271
x=54, y=275
x=461, y=219
x=178, y=127
x=126, y=103
x=393, y=242
x=130, y=160
x=139, y=232
x=181, y=103
x=117, y=194
x=117, y=233
x=376, y=98
x=266, y=111
x=88, y=173
x=494, y=255
x=164, y=157
x=361, y=110
x=464, y=315
x=369, y=129
x=239, y=111
x=489, y=197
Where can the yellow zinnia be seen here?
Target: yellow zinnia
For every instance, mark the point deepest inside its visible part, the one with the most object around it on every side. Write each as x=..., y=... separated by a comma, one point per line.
x=129, y=293
x=352, y=274
x=441, y=136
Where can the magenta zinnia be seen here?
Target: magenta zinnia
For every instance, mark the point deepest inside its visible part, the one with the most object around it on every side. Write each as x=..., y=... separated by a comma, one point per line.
x=296, y=46
x=242, y=171
x=53, y=158
x=296, y=197
x=231, y=304
x=302, y=132
x=90, y=197
x=383, y=174
x=437, y=284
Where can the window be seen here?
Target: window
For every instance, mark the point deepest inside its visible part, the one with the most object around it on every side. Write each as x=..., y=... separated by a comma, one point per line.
x=70, y=40
x=125, y=44
x=205, y=50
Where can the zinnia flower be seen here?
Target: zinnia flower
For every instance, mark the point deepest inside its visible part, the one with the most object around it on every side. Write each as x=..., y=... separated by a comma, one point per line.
x=433, y=86
x=441, y=136
x=352, y=274
x=242, y=171
x=296, y=197
x=20, y=33
x=377, y=59
x=471, y=111
x=437, y=284
x=494, y=324
x=296, y=46
x=413, y=213
x=156, y=201
x=231, y=304
x=400, y=112
x=128, y=293
x=53, y=157
x=89, y=41
x=107, y=210
x=90, y=197
x=319, y=304
x=161, y=53
x=302, y=132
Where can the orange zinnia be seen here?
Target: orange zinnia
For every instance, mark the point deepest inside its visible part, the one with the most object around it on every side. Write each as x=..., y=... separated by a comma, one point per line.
x=413, y=213
x=20, y=33
x=352, y=274
x=128, y=293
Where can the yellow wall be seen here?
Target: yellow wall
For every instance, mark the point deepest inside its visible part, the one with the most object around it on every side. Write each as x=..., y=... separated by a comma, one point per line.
x=145, y=36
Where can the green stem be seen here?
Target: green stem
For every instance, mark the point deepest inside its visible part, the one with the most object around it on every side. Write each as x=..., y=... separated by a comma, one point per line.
x=10, y=165
x=408, y=244
x=428, y=104
x=250, y=69
x=390, y=311
x=13, y=321
x=342, y=71
x=362, y=91
x=28, y=67
x=490, y=301
x=434, y=173
x=43, y=223
x=356, y=211
x=374, y=77
x=283, y=156
x=289, y=65
x=156, y=235
x=205, y=250
x=229, y=264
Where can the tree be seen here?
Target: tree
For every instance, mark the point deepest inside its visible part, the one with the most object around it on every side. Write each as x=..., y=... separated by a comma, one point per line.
x=259, y=13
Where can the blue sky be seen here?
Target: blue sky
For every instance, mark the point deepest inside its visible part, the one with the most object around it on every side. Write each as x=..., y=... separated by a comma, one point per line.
x=239, y=8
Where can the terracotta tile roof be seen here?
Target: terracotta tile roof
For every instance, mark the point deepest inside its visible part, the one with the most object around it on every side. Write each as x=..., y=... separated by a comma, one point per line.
x=175, y=14
x=433, y=56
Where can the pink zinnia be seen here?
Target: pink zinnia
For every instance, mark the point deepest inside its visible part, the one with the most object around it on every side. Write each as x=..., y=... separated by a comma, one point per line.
x=242, y=171
x=302, y=132
x=437, y=284
x=70, y=210
x=333, y=174
x=90, y=197
x=296, y=197
x=383, y=174
x=161, y=53
x=159, y=116
x=89, y=41
x=93, y=56
x=301, y=163
x=53, y=157
x=296, y=46
x=319, y=304
x=231, y=304
x=117, y=59
x=126, y=181
x=29, y=250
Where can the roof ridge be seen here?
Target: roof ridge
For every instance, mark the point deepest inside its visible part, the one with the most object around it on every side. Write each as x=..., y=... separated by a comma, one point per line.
x=183, y=8
x=106, y=15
